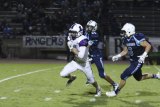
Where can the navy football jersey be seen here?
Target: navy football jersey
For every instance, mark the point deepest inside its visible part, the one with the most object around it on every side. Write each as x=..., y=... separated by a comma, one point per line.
x=93, y=36
x=133, y=45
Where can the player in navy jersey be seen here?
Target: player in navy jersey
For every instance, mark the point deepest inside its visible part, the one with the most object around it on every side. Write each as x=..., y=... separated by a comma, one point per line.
x=136, y=45
x=95, y=52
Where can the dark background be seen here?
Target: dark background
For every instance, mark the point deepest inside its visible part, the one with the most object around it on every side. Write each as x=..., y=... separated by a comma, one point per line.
x=54, y=17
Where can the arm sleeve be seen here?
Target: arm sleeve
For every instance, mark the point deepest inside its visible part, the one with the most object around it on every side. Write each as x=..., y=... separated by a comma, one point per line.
x=82, y=48
x=82, y=51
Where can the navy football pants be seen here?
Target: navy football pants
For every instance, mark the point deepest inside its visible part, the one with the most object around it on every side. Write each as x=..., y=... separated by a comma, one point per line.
x=99, y=64
x=134, y=69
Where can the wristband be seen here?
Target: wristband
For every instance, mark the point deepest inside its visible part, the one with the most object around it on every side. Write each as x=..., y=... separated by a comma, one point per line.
x=145, y=54
x=119, y=55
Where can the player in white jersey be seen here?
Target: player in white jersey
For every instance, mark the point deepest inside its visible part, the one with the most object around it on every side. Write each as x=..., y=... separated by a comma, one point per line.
x=78, y=44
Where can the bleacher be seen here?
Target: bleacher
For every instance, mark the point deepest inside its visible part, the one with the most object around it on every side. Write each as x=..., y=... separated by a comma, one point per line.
x=146, y=18
x=11, y=15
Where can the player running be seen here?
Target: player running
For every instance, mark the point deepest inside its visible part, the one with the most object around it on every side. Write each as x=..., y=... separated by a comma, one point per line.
x=95, y=52
x=136, y=45
x=78, y=45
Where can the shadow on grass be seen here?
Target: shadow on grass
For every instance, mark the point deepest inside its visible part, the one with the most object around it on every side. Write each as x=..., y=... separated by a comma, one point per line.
x=86, y=99
x=99, y=101
x=140, y=104
x=147, y=93
x=142, y=93
x=103, y=101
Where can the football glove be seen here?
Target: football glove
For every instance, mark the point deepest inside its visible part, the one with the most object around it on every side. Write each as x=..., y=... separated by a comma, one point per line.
x=116, y=57
x=142, y=57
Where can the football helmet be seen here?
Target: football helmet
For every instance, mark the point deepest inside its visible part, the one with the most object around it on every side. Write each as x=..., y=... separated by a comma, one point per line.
x=91, y=26
x=127, y=30
x=75, y=30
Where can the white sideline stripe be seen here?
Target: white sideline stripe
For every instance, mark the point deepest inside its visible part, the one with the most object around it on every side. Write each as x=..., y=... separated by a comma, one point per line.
x=12, y=77
x=157, y=68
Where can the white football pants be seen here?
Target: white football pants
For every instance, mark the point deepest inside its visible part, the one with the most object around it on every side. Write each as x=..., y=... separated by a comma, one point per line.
x=73, y=66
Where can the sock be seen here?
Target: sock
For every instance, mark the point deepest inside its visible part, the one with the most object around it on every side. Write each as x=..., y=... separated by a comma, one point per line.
x=117, y=91
x=154, y=76
x=114, y=84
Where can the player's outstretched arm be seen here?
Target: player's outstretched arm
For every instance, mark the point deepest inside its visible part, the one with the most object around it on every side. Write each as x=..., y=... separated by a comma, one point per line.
x=147, y=47
x=124, y=52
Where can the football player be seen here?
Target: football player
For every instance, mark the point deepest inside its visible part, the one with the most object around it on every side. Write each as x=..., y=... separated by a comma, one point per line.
x=95, y=52
x=78, y=45
x=137, y=47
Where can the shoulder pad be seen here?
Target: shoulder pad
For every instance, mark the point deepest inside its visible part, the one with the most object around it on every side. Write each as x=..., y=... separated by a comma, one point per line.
x=83, y=42
x=139, y=36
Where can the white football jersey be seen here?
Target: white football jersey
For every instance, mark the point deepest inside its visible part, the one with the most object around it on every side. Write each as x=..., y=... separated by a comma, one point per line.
x=81, y=41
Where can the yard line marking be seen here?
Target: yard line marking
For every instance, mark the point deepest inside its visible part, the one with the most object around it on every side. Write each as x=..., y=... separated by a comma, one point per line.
x=157, y=68
x=47, y=99
x=57, y=91
x=92, y=100
x=138, y=101
x=17, y=90
x=3, y=98
x=19, y=75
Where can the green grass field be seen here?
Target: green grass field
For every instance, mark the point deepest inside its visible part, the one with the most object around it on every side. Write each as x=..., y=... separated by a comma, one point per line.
x=39, y=85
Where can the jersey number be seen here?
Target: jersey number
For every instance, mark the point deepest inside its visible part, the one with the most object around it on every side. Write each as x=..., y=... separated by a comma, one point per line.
x=130, y=51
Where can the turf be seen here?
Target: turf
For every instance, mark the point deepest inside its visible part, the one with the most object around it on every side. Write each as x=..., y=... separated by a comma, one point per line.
x=47, y=89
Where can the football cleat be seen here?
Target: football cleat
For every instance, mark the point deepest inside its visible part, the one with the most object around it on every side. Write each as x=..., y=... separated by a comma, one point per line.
x=115, y=86
x=71, y=80
x=111, y=94
x=158, y=75
x=98, y=92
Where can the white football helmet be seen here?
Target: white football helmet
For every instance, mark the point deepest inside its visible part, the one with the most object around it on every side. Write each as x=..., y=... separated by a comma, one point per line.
x=127, y=30
x=75, y=30
x=91, y=26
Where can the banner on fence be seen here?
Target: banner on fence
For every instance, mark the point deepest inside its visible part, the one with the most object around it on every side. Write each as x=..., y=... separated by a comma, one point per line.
x=44, y=42
x=116, y=44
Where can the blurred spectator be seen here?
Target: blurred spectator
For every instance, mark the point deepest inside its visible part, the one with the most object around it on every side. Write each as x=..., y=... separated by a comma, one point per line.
x=114, y=26
x=1, y=27
x=7, y=31
x=32, y=15
x=6, y=5
x=43, y=28
x=27, y=26
x=20, y=7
